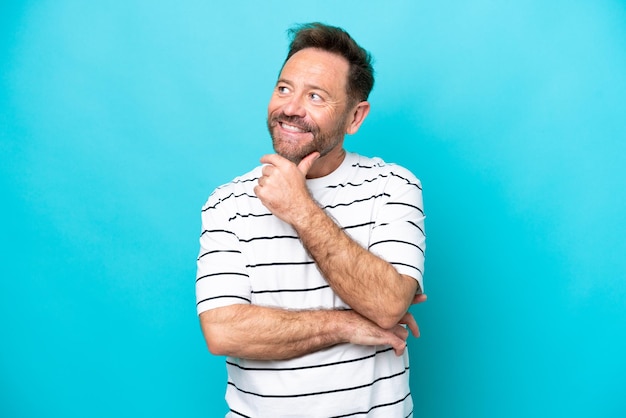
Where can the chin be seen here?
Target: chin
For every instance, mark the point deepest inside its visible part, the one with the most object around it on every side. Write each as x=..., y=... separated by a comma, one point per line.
x=291, y=156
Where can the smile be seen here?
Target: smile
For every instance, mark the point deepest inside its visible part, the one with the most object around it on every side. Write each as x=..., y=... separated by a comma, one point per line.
x=292, y=128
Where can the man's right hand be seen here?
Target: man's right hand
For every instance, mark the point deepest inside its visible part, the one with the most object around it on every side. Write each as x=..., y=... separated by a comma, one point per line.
x=361, y=331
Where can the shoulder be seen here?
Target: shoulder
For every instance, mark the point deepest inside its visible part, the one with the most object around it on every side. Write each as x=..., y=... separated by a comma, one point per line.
x=240, y=186
x=393, y=173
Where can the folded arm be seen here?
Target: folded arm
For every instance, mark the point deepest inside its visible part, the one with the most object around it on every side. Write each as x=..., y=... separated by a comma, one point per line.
x=265, y=333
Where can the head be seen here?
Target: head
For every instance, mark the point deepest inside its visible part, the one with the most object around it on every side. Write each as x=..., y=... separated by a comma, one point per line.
x=337, y=41
x=321, y=93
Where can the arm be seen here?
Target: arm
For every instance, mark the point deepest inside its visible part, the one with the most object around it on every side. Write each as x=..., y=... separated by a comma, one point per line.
x=239, y=329
x=366, y=282
x=263, y=333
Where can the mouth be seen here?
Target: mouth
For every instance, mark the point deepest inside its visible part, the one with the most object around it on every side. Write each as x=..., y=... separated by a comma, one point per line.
x=289, y=127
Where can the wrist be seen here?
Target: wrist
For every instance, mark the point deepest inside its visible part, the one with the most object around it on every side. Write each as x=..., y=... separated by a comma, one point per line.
x=305, y=215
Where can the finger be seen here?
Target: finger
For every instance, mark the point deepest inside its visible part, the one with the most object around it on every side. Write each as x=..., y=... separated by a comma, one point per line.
x=399, y=348
x=409, y=320
x=307, y=162
x=267, y=169
x=275, y=160
x=400, y=332
x=419, y=298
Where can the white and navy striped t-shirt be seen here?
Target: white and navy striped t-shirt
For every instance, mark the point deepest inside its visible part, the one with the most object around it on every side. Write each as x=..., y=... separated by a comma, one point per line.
x=247, y=255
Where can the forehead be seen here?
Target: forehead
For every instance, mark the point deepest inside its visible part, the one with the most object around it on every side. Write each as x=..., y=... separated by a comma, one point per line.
x=316, y=67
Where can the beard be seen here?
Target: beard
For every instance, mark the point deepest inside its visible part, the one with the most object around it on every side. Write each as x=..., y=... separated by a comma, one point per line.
x=322, y=142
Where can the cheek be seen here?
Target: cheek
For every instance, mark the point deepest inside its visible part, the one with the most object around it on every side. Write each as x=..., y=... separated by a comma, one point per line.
x=321, y=114
x=326, y=119
x=273, y=106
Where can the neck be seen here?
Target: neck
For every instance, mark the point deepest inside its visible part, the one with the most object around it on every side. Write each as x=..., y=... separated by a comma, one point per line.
x=325, y=165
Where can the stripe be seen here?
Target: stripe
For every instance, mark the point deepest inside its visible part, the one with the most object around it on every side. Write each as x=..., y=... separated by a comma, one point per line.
x=359, y=225
x=326, y=392
x=312, y=289
x=239, y=413
x=406, y=265
x=238, y=180
x=375, y=407
x=223, y=199
x=342, y=185
x=405, y=179
x=316, y=366
x=398, y=241
x=253, y=215
x=294, y=263
x=406, y=204
x=417, y=226
x=224, y=297
x=219, y=251
x=269, y=238
x=359, y=165
x=357, y=201
x=409, y=222
x=214, y=231
x=232, y=273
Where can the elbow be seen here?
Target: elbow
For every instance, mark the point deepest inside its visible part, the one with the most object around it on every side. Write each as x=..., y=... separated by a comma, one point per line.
x=389, y=316
x=215, y=346
x=213, y=338
x=392, y=315
x=396, y=308
x=390, y=320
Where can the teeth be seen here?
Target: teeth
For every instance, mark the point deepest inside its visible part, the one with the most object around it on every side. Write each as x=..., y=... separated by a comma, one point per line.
x=292, y=128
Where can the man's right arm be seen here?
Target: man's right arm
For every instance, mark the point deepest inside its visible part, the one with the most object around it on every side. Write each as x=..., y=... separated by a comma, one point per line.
x=265, y=333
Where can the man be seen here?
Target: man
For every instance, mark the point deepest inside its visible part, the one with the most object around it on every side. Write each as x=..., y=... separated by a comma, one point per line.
x=309, y=263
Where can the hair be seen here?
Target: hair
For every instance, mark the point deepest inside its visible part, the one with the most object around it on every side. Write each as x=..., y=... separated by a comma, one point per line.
x=337, y=41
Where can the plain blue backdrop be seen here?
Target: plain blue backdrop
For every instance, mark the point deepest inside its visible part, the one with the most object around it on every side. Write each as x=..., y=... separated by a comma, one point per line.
x=117, y=119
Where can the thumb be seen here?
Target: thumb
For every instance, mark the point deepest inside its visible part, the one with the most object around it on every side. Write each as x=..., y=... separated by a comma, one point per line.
x=419, y=298
x=307, y=162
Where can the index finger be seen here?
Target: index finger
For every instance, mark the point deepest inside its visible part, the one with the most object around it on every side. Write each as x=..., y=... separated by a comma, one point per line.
x=274, y=159
x=410, y=322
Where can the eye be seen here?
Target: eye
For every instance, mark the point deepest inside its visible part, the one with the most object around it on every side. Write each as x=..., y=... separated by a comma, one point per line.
x=315, y=97
x=282, y=89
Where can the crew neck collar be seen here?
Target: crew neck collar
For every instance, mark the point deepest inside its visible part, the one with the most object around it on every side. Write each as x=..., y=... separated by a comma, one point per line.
x=334, y=177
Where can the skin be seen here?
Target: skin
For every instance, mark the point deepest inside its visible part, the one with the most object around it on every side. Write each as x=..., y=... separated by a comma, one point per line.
x=310, y=111
x=308, y=115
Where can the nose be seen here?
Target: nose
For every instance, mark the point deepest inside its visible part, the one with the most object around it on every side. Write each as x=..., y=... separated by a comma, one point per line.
x=293, y=106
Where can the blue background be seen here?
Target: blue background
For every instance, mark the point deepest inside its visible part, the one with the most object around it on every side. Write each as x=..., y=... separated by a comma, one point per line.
x=117, y=119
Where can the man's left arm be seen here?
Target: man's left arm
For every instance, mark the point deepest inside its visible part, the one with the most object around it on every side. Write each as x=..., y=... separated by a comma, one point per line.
x=365, y=281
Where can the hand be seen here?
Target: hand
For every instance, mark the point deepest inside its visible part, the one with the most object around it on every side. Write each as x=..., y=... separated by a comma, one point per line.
x=282, y=186
x=362, y=331
x=408, y=318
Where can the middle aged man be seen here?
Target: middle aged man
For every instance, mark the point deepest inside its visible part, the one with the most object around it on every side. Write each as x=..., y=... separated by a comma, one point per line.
x=309, y=263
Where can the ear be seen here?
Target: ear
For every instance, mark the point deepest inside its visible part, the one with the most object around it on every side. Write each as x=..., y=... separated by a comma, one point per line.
x=359, y=113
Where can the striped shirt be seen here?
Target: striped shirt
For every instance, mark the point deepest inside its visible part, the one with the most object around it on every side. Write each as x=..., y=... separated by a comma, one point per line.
x=247, y=255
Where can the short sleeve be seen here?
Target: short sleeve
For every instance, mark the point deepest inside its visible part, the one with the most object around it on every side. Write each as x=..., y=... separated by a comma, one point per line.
x=222, y=278
x=398, y=235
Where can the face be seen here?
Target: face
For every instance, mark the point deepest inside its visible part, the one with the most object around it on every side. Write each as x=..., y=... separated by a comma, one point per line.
x=309, y=110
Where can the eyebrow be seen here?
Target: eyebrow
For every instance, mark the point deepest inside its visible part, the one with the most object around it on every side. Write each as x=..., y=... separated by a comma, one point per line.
x=309, y=86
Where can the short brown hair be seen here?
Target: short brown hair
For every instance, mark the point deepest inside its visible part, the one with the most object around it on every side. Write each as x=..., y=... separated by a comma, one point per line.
x=338, y=41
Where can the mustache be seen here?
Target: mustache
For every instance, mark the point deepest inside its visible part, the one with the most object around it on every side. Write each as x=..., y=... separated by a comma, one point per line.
x=294, y=120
